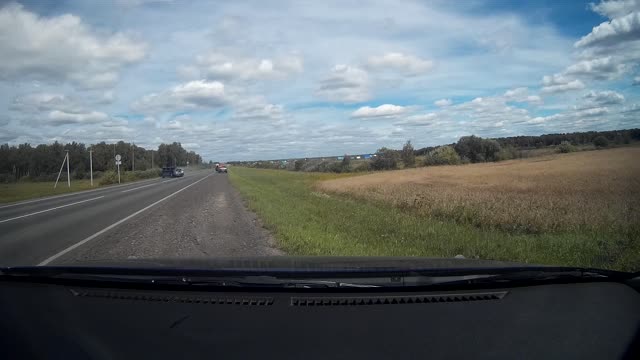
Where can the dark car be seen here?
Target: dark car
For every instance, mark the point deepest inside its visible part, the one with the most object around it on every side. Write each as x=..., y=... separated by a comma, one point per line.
x=171, y=171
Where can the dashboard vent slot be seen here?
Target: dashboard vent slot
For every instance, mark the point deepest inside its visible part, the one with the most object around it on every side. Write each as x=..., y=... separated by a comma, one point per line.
x=396, y=300
x=187, y=299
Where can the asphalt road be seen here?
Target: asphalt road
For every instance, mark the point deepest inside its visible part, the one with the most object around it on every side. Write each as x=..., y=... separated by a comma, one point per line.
x=198, y=215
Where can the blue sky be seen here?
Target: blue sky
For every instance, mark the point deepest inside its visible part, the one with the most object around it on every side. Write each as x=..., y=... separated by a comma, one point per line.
x=255, y=80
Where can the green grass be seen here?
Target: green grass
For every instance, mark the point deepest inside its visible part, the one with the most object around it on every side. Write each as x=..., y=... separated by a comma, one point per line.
x=307, y=222
x=10, y=192
x=28, y=190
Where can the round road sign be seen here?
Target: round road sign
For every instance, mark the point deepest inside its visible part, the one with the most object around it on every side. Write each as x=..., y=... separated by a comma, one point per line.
x=118, y=157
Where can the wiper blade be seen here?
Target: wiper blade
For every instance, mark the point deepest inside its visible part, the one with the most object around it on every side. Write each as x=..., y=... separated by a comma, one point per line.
x=174, y=280
x=529, y=276
x=301, y=279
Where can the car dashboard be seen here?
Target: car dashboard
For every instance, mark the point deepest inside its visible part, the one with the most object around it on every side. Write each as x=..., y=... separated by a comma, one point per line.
x=591, y=320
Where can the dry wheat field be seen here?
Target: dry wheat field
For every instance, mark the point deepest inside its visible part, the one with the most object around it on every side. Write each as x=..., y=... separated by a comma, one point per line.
x=585, y=191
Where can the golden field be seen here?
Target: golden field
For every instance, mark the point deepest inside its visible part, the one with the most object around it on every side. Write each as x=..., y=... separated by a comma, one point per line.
x=585, y=191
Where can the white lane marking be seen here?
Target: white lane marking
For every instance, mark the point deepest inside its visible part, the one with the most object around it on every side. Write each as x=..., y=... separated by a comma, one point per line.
x=74, y=246
x=55, y=208
x=139, y=187
x=82, y=192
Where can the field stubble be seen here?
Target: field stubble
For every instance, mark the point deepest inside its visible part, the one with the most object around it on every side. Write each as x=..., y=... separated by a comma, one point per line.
x=587, y=191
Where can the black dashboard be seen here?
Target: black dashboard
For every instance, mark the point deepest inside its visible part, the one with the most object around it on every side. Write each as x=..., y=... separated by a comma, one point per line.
x=591, y=320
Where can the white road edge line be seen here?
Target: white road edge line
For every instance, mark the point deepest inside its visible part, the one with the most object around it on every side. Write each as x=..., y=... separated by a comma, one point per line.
x=74, y=246
x=55, y=208
x=139, y=187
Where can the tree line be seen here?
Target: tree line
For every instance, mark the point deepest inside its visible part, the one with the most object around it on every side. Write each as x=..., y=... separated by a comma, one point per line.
x=42, y=162
x=468, y=149
x=575, y=138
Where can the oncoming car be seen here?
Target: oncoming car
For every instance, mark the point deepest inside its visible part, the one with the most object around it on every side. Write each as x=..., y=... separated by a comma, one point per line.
x=221, y=168
x=170, y=171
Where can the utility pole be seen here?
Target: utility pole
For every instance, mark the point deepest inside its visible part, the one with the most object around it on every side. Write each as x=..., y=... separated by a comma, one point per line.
x=152, y=159
x=59, y=172
x=91, y=165
x=133, y=157
x=68, y=177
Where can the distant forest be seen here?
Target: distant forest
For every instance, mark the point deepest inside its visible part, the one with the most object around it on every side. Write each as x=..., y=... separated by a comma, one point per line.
x=42, y=162
x=577, y=138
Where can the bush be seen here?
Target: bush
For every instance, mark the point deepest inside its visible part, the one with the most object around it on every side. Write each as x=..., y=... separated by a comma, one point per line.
x=566, y=147
x=385, y=159
x=362, y=167
x=507, y=153
x=108, y=178
x=601, y=142
x=139, y=174
x=298, y=165
x=443, y=155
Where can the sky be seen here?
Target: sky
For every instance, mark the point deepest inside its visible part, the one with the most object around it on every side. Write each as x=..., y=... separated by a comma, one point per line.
x=251, y=80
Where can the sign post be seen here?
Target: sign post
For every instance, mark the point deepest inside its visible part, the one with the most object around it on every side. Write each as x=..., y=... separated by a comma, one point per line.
x=118, y=162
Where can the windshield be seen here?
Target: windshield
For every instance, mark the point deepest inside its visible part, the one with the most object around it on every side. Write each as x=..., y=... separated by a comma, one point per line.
x=358, y=135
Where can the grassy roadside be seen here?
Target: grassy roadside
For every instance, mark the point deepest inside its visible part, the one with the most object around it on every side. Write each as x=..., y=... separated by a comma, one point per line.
x=30, y=190
x=11, y=192
x=307, y=222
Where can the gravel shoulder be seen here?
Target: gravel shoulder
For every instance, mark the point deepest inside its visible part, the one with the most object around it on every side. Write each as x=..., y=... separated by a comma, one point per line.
x=208, y=219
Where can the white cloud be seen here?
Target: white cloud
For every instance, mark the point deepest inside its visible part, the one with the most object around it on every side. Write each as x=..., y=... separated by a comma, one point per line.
x=560, y=83
x=408, y=64
x=190, y=95
x=345, y=84
x=174, y=124
x=636, y=80
x=61, y=49
x=521, y=94
x=115, y=123
x=382, y=111
x=40, y=102
x=603, y=98
x=57, y=117
x=418, y=120
x=443, y=102
x=623, y=28
x=614, y=9
x=218, y=66
x=601, y=68
x=256, y=108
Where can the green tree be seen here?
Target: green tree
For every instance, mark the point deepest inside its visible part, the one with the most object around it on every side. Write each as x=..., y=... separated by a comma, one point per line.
x=385, y=159
x=601, y=142
x=346, y=163
x=408, y=155
x=443, y=155
x=477, y=149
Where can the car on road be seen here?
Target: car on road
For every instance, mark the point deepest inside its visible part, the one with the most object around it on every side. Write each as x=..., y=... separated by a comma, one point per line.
x=170, y=171
x=221, y=168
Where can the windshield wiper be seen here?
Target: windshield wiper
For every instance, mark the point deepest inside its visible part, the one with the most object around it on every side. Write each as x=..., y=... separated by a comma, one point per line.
x=300, y=279
x=161, y=279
